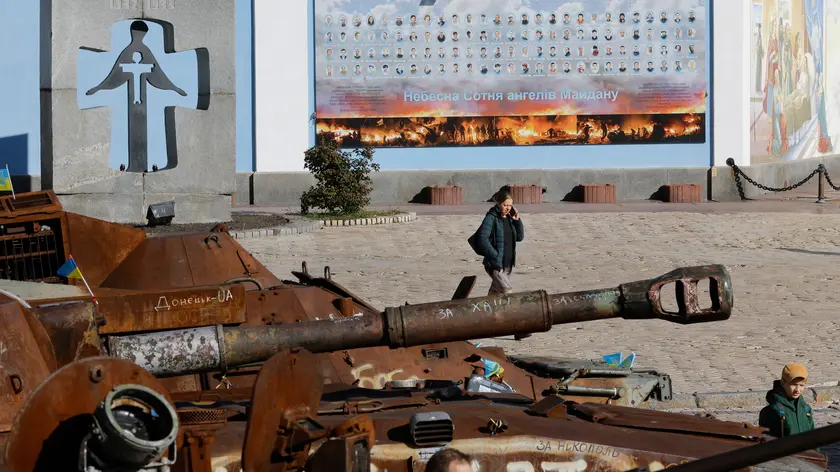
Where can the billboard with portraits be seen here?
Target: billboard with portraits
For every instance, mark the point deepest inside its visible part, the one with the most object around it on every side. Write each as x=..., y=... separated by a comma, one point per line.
x=396, y=73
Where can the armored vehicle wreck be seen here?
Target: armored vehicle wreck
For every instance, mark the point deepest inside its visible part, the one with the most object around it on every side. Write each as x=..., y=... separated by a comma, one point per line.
x=192, y=356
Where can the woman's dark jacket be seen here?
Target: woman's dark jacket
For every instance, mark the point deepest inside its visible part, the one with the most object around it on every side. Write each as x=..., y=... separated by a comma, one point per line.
x=491, y=238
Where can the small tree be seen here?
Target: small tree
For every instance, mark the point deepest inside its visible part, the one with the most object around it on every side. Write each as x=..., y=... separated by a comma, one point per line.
x=344, y=182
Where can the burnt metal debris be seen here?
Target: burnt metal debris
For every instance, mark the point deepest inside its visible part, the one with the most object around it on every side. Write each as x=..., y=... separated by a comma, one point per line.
x=195, y=358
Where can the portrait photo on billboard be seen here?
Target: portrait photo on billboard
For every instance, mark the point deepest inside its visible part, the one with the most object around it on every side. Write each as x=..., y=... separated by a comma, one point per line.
x=510, y=72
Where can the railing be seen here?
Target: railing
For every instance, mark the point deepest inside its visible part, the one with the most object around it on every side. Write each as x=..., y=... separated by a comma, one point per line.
x=819, y=171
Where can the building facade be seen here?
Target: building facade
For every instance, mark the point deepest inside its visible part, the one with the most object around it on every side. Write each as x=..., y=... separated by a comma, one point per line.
x=768, y=91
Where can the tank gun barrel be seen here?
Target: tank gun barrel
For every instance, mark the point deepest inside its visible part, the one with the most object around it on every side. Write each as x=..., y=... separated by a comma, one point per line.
x=209, y=348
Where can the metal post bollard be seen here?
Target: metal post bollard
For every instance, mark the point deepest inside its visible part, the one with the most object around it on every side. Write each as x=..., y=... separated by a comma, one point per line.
x=821, y=184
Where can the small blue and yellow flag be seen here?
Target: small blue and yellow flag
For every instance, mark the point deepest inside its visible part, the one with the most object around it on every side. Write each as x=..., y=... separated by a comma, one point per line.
x=5, y=180
x=70, y=269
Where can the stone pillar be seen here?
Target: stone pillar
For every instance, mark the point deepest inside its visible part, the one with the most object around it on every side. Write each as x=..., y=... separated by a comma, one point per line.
x=285, y=100
x=731, y=95
x=81, y=68
x=731, y=79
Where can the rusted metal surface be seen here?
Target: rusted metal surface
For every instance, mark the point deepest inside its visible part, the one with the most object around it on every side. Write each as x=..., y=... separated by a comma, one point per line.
x=173, y=352
x=459, y=320
x=220, y=361
x=347, y=449
x=29, y=203
x=72, y=328
x=38, y=332
x=183, y=261
x=590, y=305
x=627, y=387
x=776, y=450
x=346, y=307
x=99, y=247
x=199, y=427
x=173, y=309
x=464, y=288
x=546, y=442
x=23, y=365
x=543, y=441
x=643, y=299
x=635, y=418
x=285, y=401
x=207, y=348
x=199, y=349
x=49, y=428
x=278, y=305
x=327, y=283
x=549, y=407
x=30, y=256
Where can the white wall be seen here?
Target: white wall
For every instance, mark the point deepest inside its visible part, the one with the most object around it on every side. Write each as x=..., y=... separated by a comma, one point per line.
x=281, y=89
x=731, y=49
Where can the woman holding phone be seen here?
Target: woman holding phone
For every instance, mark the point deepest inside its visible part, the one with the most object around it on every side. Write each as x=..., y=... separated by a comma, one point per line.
x=498, y=235
x=497, y=238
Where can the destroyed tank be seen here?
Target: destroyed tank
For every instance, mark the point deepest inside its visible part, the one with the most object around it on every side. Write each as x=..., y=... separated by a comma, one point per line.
x=192, y=356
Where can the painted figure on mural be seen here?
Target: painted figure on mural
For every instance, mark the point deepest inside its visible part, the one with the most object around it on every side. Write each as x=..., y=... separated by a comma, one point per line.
x=759, y=59
x=769, y=102
x=814, y=17
x=787, y=57
x=779, y=143
x=824, y=143
x=797, y=59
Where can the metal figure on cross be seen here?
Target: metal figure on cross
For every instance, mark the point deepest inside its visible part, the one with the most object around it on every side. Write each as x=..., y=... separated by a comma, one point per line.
x=137, y=64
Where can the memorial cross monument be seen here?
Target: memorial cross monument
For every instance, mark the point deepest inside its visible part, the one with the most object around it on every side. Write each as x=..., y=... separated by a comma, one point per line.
x=132, y=122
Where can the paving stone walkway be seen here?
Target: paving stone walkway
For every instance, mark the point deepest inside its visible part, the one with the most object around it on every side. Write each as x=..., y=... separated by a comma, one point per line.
x=784, y=268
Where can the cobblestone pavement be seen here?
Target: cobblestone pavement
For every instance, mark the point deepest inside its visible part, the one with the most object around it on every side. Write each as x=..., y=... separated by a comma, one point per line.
x=783, y=265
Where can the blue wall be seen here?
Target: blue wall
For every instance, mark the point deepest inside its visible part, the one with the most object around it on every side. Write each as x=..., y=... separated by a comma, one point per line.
x=542, y=157
x=244, y=86
x=20, y=115
x=20, y=145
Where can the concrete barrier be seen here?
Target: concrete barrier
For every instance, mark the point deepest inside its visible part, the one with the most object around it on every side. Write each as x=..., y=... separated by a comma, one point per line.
x=775, y=175
x=750, y=400
x=243, y=193
x=396, y=187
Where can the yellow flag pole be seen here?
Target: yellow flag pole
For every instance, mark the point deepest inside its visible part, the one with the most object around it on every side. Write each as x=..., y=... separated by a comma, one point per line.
x=95, y=301
x=10, y=182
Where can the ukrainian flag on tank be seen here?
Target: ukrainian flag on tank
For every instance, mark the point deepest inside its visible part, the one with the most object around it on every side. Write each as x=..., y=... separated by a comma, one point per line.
x=70, y=269
x=5, y=180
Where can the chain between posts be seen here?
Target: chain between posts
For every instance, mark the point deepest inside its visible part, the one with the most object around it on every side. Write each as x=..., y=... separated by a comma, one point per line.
x=819, y=170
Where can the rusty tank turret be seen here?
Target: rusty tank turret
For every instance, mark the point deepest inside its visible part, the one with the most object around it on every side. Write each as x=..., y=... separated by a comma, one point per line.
x=269, y=374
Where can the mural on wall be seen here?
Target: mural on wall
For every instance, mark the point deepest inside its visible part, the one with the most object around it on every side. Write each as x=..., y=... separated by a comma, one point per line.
x=510, y=72
x=794, y=82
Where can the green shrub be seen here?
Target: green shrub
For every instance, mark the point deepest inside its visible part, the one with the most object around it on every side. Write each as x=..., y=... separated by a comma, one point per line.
x=344, y=182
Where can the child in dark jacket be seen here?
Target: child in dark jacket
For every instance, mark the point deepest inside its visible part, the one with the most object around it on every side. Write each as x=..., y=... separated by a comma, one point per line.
x=787, y=411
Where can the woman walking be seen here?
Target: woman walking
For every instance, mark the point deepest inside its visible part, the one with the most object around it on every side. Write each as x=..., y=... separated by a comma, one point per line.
x=497, y=238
